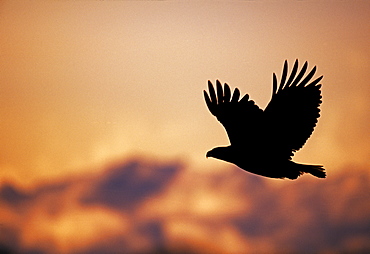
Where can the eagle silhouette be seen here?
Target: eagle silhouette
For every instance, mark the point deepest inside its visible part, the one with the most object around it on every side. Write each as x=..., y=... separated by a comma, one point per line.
x=263, y=141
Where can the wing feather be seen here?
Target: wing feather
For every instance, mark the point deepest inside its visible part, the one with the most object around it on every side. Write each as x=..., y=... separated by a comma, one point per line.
x=300, y=75
x=236, y=96
x=293, y=72
x=209, y=103
x=212, y=92
x=313, y=83
x=308, y=77
x=274, y=84
x=220, y=93
x=291, y=115
x=227, y=93
x=283, y=75
x=239, y=117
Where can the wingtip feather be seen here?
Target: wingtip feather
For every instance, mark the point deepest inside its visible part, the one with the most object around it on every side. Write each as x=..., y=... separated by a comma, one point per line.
x=220, y=93
x=236, y=95
x=227, y=93
x=212, y=92
x=292, y=74
x=274, y=84
x=308, y=77
x=313, y=83
x=210, y=104
x=300, y=75
x=283, y=75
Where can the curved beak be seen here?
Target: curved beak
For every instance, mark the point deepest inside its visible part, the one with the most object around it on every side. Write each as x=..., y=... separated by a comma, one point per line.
x=208, y=154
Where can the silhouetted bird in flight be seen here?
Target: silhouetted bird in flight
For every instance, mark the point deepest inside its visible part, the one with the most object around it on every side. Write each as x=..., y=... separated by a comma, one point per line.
x=263, y=141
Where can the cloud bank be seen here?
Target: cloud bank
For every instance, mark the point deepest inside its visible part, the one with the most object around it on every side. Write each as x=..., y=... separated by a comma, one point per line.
x=142, y=206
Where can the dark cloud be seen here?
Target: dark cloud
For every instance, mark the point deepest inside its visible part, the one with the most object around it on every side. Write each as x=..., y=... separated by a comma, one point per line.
x=306, y=215
x=9, y=194
x=126, y=185
x=14, y=196
x=9, y=238
x=309, y=210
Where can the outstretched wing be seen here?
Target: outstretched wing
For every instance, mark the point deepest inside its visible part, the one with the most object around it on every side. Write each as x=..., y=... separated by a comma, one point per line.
x=292, y=113
x=239, y=117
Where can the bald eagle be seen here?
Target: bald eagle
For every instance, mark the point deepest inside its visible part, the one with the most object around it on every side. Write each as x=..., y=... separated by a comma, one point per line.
x=263, y=141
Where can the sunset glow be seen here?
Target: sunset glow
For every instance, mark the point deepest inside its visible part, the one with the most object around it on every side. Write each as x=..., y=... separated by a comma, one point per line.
x=96, y=95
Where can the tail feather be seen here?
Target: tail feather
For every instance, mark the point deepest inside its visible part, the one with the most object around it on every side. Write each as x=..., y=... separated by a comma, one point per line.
x=315, y=170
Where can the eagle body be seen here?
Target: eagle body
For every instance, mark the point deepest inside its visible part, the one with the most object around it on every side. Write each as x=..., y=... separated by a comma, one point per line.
x=263, y=141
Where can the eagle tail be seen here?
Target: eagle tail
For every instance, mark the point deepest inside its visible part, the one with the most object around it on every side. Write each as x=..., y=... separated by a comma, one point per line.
x=315, y=170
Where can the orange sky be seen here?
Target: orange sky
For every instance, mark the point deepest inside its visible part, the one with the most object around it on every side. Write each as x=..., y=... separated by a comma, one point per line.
x=83, y=83
x=102, y=117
